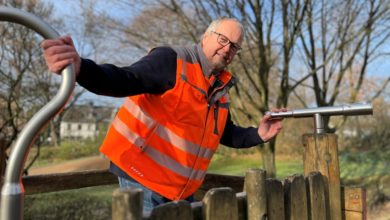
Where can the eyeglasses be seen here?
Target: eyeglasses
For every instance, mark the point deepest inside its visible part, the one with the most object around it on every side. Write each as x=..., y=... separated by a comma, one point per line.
x=224, y=41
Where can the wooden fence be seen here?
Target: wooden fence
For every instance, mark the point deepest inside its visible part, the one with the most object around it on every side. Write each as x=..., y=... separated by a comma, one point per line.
x=308, y=196
x=294, y=198
x=248, y=196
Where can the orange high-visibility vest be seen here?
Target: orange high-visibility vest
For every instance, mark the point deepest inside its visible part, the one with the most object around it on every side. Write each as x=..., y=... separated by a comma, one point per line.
x=166, y=142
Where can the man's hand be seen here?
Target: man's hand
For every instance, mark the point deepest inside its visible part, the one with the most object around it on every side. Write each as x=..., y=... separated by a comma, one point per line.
x=268, y=127
x=59, y=53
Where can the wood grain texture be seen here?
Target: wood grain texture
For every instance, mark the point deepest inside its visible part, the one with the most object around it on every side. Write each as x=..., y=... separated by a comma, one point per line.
x=295, y=198
x=321, y=154
x=220, y=204
x=256, y=194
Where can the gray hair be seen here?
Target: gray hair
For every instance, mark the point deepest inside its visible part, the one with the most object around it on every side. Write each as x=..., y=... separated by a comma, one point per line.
x=215, y=24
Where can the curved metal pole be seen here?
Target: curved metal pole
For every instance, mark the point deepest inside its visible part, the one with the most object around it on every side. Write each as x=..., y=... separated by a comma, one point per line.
x=12, y=193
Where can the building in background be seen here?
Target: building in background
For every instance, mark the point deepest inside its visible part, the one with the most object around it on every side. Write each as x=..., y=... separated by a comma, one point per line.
x=86, y=121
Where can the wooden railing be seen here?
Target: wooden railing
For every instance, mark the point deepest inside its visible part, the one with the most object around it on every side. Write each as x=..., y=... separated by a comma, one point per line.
x=273, y=198
x=294, y=198
x=314, y=195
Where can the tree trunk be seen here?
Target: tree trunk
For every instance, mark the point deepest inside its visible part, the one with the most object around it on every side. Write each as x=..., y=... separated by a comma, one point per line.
x=53, y=135
x=268, y=155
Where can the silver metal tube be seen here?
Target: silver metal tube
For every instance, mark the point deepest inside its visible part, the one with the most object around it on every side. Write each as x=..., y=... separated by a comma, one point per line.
x=12, y=193
x=346, y=109
x=318, y=113
x=318, y=124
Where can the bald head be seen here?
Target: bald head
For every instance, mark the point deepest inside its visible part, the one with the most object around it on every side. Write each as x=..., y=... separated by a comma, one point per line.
x=216, y=23
x=221, y=42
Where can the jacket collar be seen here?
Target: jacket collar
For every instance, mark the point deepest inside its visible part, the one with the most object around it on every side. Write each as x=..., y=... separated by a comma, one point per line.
x=204, y=62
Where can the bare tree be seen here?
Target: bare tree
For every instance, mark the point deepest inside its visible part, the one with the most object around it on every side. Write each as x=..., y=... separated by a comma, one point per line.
x=20, y=56
x=339, y=41
x=25, y=86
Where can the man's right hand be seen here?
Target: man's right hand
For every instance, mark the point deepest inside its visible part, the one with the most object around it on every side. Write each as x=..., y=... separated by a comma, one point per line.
x=59, y=53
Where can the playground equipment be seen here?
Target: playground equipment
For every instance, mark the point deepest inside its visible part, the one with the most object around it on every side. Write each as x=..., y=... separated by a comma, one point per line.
x=12, y=191
x=318, y=113
x=321, y=150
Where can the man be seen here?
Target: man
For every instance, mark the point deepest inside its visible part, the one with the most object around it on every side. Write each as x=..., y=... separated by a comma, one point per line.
x=175, y=114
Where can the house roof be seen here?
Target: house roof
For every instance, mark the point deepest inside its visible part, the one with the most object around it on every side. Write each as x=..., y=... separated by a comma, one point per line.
x=89, y=113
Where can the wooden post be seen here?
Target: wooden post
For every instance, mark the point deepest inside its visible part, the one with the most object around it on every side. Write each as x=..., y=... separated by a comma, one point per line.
x=275, y=199
x=172, y=211
x=197, y=208
x=354, y=203
x=317, y=206
x=295, y=198
x=254, y=187
x=220, y=204
x=127, y=204
x=321, y=155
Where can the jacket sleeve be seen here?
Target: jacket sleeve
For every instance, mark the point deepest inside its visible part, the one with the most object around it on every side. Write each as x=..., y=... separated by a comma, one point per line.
x=238, y=137
x=155, y=73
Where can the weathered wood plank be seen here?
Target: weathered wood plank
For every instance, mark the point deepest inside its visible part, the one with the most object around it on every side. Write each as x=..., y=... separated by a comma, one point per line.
x=220, y=204
x=275, y=199
x=321, y=155
x=351, y=215
x=256, y=194
x=197, y=210
x=295, y=198
x=65, y=181
x=74, y=180
x=127, y=204
x=172, y=211
x=353, y=201
x=318, y=209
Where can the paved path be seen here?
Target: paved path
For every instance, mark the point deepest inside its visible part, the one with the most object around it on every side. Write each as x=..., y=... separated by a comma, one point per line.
x=82, y=164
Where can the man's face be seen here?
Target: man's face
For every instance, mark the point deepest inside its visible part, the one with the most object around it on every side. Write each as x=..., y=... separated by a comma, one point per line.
x=229, y=33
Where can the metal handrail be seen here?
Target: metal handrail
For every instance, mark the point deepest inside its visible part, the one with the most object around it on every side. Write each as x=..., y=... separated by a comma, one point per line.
x=318, y=113
x=12, y=193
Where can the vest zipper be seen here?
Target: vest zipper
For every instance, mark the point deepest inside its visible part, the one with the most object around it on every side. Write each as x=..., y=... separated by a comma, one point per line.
x=153, y=130
x=216, y=118
x=209, y=105
x=197, y=156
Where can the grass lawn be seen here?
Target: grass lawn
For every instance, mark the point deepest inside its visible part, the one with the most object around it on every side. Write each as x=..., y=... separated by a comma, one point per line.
x=237, y=165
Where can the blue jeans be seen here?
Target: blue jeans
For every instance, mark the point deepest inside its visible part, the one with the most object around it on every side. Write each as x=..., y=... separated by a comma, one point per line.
x=151, y=198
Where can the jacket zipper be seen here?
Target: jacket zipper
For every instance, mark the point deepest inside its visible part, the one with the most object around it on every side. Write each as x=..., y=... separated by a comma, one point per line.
x=208, y=98
x=197, y=156
x=153, y=130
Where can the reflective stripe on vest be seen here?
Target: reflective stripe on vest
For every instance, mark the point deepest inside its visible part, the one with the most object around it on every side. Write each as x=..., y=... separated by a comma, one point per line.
x=165, y=133
x=160, y=158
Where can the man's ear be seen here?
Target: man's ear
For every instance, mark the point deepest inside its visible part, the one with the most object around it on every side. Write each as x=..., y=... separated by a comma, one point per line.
x=204, y=37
